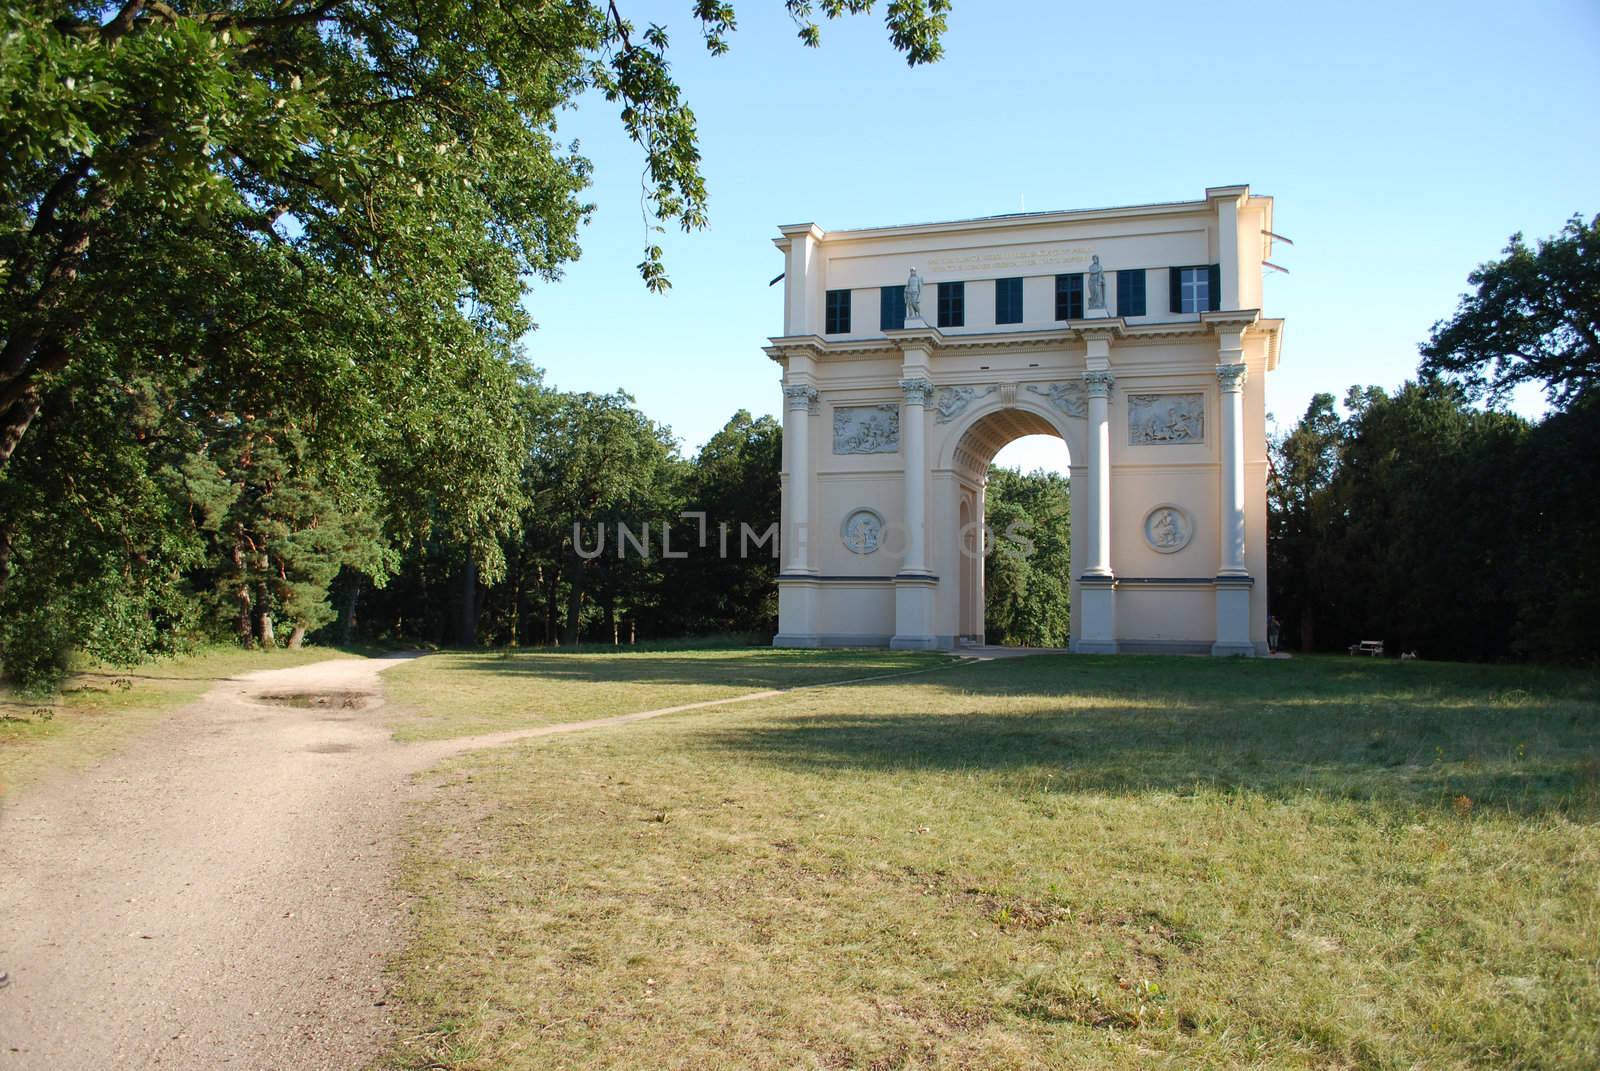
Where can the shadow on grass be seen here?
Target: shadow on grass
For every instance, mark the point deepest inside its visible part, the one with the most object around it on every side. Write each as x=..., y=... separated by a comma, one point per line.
x=1524, y=739
x=754, y=669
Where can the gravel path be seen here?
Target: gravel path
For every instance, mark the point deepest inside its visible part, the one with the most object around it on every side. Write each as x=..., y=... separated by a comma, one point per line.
x=220, y=893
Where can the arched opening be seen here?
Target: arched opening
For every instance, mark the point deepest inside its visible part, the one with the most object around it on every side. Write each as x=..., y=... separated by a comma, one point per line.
x=1013, y=475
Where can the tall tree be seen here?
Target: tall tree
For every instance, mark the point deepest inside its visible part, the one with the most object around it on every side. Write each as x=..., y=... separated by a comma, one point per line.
x=1028, y=563
x=1534, y=318
x=406, y=148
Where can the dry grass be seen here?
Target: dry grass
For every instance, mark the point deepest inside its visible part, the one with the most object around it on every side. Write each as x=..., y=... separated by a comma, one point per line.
x=1063, y=862
x=100, y=708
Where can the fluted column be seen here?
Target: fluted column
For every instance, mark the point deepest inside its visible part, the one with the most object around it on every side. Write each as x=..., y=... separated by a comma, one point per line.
x=914, y=452
x=798, y=401
x=1231, y=378
x=1098, y=386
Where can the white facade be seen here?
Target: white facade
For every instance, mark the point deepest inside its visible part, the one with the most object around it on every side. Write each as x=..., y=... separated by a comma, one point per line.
x=889, y=430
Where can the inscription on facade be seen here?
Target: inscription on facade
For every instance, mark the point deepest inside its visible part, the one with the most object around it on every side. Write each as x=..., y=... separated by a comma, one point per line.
x=1164, y=419
x=866, y=429
x=986, y=262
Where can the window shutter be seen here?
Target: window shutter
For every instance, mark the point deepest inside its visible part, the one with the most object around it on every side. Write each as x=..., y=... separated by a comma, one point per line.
x=1130, y=292
x=1214, y=286
x=1175, y=289
x=891, y=308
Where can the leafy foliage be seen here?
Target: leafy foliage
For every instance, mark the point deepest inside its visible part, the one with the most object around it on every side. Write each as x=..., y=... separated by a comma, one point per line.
x=1028, y=561
x=295, y=238
x=1535, y=318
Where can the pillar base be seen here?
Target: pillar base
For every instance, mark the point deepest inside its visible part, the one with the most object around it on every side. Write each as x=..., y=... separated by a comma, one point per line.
x=783, y=639
x=913, y=612
x=1233, y=618
x=1097, y=615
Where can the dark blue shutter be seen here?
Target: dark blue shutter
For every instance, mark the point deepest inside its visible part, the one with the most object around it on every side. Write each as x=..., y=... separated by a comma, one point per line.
x=1130, y=292
x=1175, y=289
x=1214, y=286
x=891, y=308
x=1008, y=301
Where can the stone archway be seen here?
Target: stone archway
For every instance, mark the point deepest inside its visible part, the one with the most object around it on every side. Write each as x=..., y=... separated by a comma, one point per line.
x=971, y=447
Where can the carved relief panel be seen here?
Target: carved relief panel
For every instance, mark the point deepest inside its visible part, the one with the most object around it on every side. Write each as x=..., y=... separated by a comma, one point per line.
x=1165, y=419
x=866, y=429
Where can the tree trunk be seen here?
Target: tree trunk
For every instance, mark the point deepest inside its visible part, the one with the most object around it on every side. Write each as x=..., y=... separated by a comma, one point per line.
x=297, y=636
x=574, y=605
x=468, y=625
x=551, y=598
x=14, y=421
x=348, y=624
x=241, y=597
x=1307, y=637
x=264, y=619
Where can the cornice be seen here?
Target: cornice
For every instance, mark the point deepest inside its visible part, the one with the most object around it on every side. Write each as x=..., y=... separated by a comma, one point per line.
x=1070, y=332
x=1012, y=221
x=1234, y=320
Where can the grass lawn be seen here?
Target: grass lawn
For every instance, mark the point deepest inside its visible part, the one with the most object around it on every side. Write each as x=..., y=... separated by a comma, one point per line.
x=465, y=693
x=1056, y=862
x=100, y=708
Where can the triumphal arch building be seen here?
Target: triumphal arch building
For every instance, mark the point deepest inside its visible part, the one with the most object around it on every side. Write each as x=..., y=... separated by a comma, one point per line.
x=912, y=354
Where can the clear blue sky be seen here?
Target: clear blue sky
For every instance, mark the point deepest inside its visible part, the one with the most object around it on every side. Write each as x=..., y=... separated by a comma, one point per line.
x=1403, y=144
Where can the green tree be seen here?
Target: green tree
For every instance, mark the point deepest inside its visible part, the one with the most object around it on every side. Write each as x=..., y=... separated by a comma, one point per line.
x=1534, y=318
x=1300, y=519
x=601, y=463
x=405, y=149
x=730, y=583
x=1028, y=563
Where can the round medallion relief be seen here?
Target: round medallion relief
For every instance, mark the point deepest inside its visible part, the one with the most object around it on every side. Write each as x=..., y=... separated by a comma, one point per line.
x=1168, y=528
x=862, y=530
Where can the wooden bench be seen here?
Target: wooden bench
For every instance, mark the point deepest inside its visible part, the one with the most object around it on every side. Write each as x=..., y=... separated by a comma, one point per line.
x=1374, y=648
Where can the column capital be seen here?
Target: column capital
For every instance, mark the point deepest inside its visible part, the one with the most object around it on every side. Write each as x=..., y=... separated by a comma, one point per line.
x=1099, y=383
x=917, y=390
x=1232, y=377
x=800, y=396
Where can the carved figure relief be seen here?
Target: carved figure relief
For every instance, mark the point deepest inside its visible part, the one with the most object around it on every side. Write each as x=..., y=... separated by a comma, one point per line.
x=1161, y=419
x=1168, y=529
x=1067, y=397
x=862, y=531
x=866, y=429
x=951, y=402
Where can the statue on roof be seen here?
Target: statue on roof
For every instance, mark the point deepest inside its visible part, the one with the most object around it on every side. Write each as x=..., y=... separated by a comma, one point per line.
x=914, y=296
x=1097, y=285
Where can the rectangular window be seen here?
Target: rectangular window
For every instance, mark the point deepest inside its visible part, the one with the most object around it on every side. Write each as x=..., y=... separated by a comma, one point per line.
x=1130, y=292
x=1008, y=301
x=838, y=313
x=952, y=304
x=1069, y=297
x=1196, y=289
x=891, y=308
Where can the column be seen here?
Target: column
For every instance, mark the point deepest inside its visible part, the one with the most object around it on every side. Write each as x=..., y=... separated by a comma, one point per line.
x=798, y=594
x=1097, y=592
x=914, y=586
x=1233, y=581
x=914, y=451
x=1098, y=387
x=1231, y=377
x=799, y=399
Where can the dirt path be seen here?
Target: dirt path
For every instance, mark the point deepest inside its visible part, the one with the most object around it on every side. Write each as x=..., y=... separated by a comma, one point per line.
x=220, y=893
